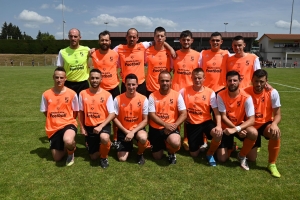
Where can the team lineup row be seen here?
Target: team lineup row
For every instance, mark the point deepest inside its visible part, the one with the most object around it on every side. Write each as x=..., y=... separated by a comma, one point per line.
x=197, y=78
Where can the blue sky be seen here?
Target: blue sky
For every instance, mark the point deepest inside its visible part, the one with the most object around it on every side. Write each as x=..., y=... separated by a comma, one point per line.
x=262, y=16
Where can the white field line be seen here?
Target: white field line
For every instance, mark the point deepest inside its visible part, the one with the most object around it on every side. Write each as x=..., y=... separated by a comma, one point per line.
x=288, y=91
x=285, y=85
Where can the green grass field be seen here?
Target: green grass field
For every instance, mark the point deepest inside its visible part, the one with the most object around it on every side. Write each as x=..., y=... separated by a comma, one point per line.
x=28, y=172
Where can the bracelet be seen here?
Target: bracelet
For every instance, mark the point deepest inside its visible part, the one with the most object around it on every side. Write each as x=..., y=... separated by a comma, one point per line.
x=238, y=129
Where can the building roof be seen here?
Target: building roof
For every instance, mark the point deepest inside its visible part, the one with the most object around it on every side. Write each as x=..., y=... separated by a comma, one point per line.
x=195, y=34
x=281, y=36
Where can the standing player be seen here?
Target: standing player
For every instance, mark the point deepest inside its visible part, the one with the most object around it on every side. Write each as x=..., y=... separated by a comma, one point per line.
x=166, y=112
x=96, y=111
x=106, y=60
x=74, y=59
x=131, y=58
x=158, y=59
x=187, y=59
x=244, y=63
x=213, y=63
x=267, y=117
x=237, y=113
x=199, y=100
x=60, y=106
x=131, y=110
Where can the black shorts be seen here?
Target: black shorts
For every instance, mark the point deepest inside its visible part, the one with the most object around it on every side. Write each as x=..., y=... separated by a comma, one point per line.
x=77, y=86
x=195, y=133
x=228, y=140
x=56, y=140
x=125, y=146
x=157, y=138
x=140, y=89
x=260, y=131
x=93, y=140
x=114, y=92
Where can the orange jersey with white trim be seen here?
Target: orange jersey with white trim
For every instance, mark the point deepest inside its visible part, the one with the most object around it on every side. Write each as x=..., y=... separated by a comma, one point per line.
x=165, y=107
x=157, y=61
x=235, y=107
x=132, y=61
x=183, y=65
x=94, y=106
x=197, y=104
x=262, y=106
x=244, y=66
x=130, y=110
x=107, y=64
x=214, y=67
x=59, y=110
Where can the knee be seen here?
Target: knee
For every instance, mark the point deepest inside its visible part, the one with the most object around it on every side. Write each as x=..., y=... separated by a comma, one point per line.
x=104, y=140
x=122, y=159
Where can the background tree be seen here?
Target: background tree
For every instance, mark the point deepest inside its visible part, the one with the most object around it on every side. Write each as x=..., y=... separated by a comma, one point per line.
x=44, y=36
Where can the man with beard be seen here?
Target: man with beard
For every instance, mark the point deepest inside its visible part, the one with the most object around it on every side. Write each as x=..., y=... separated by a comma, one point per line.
x=131, y=109
x=60, y=106
x=131, y=59
x=106, y=60
x=74, y=59
x=96, y=111
x=244, y=63
x=237, y=114
x=158, y=59
x=187, y=59
x=267, y=117
x=166, y=112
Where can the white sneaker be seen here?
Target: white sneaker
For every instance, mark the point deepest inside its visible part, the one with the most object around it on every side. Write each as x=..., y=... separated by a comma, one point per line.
x=203, y=147
x=243, y=161
x=70, y=160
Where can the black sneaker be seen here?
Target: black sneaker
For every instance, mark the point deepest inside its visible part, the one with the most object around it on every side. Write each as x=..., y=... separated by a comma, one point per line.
x=115, y=144
x=104, y=163
x=172, y=158
x=140, y=159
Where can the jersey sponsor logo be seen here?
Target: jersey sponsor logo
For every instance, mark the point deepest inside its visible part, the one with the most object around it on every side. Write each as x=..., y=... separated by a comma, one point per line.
x=94, y=115
x=81, y=54
x=139, y=104
x=184, y=72
x=159, y=69
x=76, y=67
x=111, y=59
x=132, y=63
x=131, y=119
x=57, y=114
x=171, y=101
x=163, y=116
x=247, y=62
x=66, y=99
x=238, y=103
x=101, y=99
x=194, y=111
x=192, y=58
x=213, y=70
x=259, y=115
x=203, y=98
x=106, y=74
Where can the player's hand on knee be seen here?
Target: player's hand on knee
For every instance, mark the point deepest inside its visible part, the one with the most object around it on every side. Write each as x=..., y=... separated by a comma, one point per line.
x=83, y=132
x=97, y=129
x=274, y=131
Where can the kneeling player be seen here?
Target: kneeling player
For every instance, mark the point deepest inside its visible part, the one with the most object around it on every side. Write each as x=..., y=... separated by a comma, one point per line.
x=131, y=109
x=96, y=111
x=166, y=111
x=267, y=117
x=60, y=106
x=198, y=100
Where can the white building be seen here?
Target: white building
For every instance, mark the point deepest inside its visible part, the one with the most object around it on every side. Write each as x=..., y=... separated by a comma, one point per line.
x=282, y=48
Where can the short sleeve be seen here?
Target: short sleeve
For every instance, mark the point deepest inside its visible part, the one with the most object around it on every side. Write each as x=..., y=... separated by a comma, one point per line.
x=60, y=60
x=249, y=107
x=110, y=105
x=44, y=104
x=145, y=107
x=213, y=100
x=275, y=99
x=80, y=102
x=151, y=104
x=180, y=103
x=221, y=105
x=116, y=106
x=75, y=105
x=147, y=44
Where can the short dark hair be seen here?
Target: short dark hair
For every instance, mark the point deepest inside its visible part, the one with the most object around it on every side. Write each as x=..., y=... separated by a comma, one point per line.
x=238, y=37
x=186, y=33
x=159, y=29
x=260, y=73
x=233, y=73
x=137, y=33
x=215, y=34
x=95, y=70
x=131, y=76
x=164, y=72
x=103, y=33
x=197, y=70
x=60, y=69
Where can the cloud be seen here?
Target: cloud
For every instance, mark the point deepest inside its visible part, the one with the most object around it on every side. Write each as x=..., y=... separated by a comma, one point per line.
x=31, y=25
x=44, y=6
x=286, y=25
x=238, y=1
x=135, y=21
x=60, y=7
x=256, y=24
x=31, y=16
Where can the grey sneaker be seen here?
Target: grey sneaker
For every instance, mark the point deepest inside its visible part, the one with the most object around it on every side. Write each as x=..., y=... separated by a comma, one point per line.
x=104, y=163
x=70, y=160
x=243, y=161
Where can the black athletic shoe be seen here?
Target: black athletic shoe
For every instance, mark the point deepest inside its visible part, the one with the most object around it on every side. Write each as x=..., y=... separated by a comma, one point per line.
x=104, y=163
x=140, y=159
x=172, y=158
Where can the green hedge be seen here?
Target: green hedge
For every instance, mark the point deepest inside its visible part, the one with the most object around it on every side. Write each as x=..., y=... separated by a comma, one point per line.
x=39, y=46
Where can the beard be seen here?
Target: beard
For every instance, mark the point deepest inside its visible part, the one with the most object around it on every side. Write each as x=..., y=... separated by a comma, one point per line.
x=233, y=88
x=104, y=47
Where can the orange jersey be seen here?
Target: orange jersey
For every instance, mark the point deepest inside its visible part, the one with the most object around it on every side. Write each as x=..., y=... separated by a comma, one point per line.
x=96, y=107
x=132, y=60
x=107, y=64
x=198, y=104
x=214, y=66
x=183, y=67
x=130, y=111
x=245, y=66
x=263, y=105
x=236, y=108
x=59, y=108
x=166, y=107
x=157, y=61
